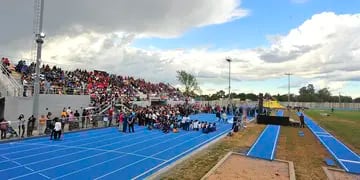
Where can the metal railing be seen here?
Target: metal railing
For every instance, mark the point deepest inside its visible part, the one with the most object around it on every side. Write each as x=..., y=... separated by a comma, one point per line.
x=15, y=131
x=57, y=90
x=11, y=87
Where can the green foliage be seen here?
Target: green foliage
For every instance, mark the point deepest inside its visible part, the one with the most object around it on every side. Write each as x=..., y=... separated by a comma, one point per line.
x=189, y=82
x=308, y=94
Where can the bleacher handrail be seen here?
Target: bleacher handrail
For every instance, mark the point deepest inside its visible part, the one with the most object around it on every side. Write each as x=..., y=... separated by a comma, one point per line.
x=13, y=84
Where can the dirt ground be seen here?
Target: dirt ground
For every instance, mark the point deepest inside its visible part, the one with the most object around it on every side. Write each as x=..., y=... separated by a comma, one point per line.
x=200, y=163
x=338, y=175
x=242, y=167
x=306, y=152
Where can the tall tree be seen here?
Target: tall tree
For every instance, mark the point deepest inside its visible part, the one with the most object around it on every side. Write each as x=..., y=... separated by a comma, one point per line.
x=188, y=81
x=324, y=95
x=307, y=94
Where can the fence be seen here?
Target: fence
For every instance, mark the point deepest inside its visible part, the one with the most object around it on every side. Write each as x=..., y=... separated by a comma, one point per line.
x=29, y=90
x=312, y=105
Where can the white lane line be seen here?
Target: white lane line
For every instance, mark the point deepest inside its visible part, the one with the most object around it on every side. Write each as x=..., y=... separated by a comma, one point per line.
x=24, y=141
x=257, y=140
x=148, y=158
x=118, y=157
x=30, y=144
x=85, y=159
x=325, y=136
x=275, y=143
x=209, y=140
x=86, y=149
x=327, y=147
x=350, y=161
x=117, y=137
x=321, y=132
x=47, y=177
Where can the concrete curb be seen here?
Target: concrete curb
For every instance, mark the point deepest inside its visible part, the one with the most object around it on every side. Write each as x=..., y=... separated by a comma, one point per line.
x=159, y=173
x=291, y=168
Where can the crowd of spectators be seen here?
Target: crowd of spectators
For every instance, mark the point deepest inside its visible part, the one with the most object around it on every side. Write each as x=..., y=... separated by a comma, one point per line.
x=6, y=66
x=105, y=89
x=98, y=84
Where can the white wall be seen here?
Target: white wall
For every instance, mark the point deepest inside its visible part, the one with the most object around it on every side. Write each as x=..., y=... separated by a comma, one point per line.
x=14, y=106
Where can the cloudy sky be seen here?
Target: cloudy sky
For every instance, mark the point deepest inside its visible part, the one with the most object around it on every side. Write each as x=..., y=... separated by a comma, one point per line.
x=317, y=41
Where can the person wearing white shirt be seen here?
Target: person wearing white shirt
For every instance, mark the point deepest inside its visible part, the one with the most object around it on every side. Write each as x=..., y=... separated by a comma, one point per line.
x=183, y=121
x=57, y=130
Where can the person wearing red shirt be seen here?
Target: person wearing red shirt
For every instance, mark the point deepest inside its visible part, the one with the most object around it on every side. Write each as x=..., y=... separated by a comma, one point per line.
x=110, y=117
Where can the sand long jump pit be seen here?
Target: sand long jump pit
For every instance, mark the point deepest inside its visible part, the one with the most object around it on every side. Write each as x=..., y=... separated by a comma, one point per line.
x=238, y=166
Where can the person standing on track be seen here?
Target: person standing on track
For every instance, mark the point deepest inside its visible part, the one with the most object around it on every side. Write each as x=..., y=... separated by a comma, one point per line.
x=121, y=121
x=3, y=128
x=131, y=121
x=110, y=116
x=42, y=124
x=126, y=117
x=52, y=128
x=30, y=125
x=83, y=116
x=57, y=129
x=21, y=125
x=302, y=122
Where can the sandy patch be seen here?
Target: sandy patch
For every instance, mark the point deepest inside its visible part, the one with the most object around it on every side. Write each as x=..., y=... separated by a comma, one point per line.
x=242, y=167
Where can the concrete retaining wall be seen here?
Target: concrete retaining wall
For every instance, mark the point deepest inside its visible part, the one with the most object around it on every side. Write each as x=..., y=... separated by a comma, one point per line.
x=14, y=106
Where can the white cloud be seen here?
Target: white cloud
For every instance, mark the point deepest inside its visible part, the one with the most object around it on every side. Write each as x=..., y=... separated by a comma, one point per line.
x=325, y=48
x=160, y=18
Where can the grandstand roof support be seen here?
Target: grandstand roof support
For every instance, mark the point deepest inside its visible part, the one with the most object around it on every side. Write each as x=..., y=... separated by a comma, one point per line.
x=39, y=38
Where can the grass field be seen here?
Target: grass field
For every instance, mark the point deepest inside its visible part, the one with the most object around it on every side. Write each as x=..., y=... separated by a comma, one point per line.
x=345, y=125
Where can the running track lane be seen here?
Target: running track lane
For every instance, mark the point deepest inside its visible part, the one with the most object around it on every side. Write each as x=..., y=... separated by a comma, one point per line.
x=280, y=113
x=348, y=159
x=115, y=158
x=265, y=146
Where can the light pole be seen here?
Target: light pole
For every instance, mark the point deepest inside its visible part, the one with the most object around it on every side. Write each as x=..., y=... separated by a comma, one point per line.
x=39, y=41
x=288, y=74
x=229, y=60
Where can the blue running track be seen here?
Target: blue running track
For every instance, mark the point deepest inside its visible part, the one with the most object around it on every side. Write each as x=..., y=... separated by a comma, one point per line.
x=280, y=113
x=265, y=146
x=102, y=153
x=348, y=159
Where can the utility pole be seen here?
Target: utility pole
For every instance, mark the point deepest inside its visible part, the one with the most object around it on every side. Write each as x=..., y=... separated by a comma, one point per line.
x=229, y=60
x=339, y=99
x=288, y=74
x=39, y=38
